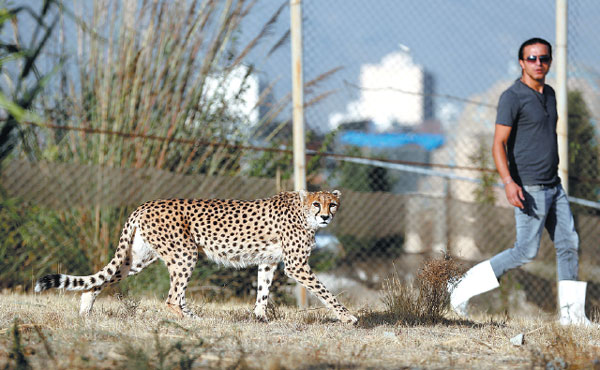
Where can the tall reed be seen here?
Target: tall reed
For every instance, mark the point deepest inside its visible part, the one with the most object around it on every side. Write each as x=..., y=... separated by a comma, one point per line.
x=146, y=70
x=160, y=68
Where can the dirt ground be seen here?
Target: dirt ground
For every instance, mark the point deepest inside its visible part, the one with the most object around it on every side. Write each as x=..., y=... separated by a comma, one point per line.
x=45, y=331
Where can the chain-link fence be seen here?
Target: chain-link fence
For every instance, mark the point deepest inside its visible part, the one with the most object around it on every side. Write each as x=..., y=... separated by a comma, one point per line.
x=192, y=100
x=418, y=83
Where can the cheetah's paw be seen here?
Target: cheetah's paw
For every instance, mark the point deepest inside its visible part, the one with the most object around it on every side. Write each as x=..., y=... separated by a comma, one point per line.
x=261, y=315
x=348, y=319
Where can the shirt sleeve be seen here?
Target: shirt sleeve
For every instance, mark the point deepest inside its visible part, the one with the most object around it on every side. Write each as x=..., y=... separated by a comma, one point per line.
x=508, y=109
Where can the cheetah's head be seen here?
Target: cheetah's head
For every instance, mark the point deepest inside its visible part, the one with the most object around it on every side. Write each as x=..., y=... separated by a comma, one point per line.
x=320, y=207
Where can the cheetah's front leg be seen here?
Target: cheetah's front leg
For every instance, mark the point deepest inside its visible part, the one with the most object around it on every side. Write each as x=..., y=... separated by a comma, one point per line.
x=265, y=278
x=301, y=272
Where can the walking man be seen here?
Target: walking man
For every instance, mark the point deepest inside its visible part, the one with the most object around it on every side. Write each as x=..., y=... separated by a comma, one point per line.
x=525, y=152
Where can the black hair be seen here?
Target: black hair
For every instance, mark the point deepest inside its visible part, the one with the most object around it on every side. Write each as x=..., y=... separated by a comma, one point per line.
x=535, y=40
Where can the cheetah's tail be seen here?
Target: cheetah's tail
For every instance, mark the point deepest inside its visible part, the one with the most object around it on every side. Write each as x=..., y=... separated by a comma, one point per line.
x=70, y=282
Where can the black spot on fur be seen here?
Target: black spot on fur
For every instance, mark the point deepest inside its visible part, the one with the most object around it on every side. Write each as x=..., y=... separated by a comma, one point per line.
x=55, y=280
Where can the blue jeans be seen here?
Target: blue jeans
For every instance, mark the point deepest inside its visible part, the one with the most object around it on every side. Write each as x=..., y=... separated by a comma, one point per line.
x=545, y=206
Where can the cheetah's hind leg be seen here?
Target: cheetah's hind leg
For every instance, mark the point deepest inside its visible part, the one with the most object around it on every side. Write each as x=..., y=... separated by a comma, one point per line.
x=87, y=300
x=141, y=256
x=265, y=278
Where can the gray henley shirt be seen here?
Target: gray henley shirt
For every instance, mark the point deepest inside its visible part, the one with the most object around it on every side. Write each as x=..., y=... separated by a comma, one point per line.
x=532, y=148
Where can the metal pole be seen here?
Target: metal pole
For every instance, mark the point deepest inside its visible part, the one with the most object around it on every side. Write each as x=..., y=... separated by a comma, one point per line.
x=562, y=129
x=298, y=96
x=298, y=110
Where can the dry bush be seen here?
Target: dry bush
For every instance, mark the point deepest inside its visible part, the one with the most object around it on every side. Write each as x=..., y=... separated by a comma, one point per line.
x=425, y=301
x=432, y=281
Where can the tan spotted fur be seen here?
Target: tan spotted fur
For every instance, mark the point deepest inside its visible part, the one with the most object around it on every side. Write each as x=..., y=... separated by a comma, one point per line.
x=236, y=233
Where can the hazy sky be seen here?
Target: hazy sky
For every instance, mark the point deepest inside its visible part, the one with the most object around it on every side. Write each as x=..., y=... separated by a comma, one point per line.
x=467, y=45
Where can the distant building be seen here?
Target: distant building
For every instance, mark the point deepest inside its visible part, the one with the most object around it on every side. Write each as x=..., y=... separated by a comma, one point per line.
x=396, y=91
x=225, y=88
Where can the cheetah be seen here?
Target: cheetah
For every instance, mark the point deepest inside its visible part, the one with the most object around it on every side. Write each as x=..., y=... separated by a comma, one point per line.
x=236, y=233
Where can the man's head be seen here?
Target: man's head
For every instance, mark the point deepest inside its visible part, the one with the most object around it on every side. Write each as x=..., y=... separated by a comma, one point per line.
x=535, y=40
x=535, y=58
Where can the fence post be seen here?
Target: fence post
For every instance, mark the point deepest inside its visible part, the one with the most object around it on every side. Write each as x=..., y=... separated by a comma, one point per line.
x=298, y=111
x=562, y=128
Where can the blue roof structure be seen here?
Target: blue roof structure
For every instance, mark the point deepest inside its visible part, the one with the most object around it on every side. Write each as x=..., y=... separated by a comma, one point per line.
x=392, y=140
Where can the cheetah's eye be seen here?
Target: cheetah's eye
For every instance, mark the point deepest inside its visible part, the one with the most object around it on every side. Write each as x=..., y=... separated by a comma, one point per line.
x=332, y=206
x=316, y=204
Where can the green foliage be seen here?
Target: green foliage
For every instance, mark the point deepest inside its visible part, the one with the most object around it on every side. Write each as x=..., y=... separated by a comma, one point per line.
x=358, y=248
x=275, y=162
x=323, y=260
x=353, y=176
x=362, y=177
x=584, y=167
x=354, y=248
x=315, y=162
x=25, y=83
x=154, y=278
x=271, y=163
x=12, y=255
x=484, y=193
x=39, y=241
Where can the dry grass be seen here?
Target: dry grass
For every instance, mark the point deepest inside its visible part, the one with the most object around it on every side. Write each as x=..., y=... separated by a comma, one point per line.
x=45, y=331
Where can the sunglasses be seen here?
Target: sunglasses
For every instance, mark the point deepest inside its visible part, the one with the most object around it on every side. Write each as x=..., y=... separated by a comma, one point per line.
x=544, y=59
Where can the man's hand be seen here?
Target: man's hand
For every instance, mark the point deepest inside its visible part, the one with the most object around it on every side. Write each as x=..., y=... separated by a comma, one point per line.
x=514, y=194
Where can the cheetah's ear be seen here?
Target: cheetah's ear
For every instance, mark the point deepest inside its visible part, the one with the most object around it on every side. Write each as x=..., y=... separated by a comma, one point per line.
x=303, y=194
x=337, y=193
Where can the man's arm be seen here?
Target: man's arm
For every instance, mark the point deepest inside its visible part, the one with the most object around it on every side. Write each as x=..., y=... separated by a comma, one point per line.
x=514, y=193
